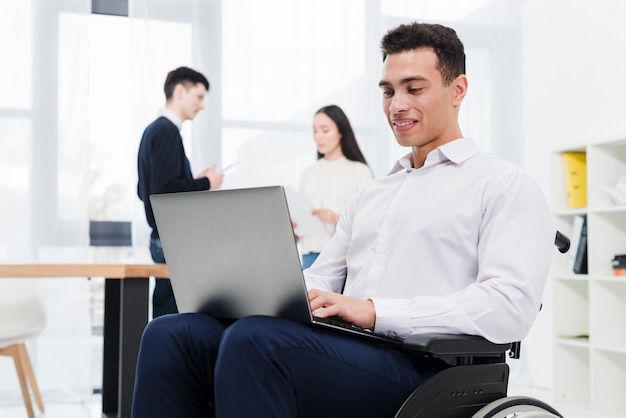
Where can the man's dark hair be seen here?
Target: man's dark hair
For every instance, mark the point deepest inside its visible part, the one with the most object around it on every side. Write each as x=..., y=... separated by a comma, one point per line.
x=186, y=76
x=443, y=40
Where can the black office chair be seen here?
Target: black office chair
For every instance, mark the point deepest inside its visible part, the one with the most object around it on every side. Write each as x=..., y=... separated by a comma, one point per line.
x=476, y=387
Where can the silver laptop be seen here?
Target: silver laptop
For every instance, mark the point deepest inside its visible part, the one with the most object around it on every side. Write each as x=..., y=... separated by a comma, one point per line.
x=233, y=253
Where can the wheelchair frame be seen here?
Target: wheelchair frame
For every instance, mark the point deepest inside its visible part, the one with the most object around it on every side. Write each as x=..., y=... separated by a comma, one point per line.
x=476, y=387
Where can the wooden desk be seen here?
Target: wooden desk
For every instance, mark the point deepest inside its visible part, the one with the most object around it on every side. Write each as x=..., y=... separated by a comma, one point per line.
x=125, y=316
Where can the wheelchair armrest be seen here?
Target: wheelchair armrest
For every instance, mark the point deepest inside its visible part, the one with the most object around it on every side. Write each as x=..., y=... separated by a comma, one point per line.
x=450, y=345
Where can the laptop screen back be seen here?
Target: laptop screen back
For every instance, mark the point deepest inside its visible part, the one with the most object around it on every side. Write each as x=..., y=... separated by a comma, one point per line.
x=232, y=253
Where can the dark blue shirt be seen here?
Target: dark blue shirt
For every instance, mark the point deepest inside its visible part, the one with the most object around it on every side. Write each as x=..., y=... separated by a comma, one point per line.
x=163, y=166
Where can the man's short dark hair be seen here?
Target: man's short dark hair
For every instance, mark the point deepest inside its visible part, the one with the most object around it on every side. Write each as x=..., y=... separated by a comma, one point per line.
x=183, y=75
x=443, y=40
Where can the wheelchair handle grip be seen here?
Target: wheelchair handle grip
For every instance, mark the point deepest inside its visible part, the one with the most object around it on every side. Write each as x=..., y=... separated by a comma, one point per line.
x=561, y=242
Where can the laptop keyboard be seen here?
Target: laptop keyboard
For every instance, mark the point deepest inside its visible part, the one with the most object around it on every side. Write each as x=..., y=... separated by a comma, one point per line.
x=341, y=323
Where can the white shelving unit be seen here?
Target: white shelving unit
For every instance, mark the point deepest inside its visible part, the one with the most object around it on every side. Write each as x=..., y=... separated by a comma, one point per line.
x=590, y=309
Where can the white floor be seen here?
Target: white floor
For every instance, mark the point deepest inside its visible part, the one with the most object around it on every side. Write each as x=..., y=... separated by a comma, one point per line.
x=546, y=396
x=91, y=408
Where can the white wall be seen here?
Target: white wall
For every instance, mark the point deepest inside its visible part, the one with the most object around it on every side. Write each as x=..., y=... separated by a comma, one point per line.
x=574, y=90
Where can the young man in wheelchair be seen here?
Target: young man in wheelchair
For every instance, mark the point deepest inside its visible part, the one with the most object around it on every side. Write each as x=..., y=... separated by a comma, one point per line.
x=451, y=241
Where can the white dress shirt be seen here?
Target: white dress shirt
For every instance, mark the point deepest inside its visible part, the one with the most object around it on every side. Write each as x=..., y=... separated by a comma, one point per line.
x=461, y=245
x=173, y=117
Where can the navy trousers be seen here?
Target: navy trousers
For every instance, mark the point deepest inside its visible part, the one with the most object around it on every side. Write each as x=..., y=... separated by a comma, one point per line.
x=192, y=365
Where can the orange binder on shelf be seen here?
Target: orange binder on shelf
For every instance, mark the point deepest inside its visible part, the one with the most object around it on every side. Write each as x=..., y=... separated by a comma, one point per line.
x=575, y=164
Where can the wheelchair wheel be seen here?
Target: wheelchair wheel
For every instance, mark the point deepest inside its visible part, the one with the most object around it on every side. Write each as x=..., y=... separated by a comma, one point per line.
x=518, y=407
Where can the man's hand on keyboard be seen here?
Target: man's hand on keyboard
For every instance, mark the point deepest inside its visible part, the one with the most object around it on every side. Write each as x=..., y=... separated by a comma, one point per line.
x=356, y=311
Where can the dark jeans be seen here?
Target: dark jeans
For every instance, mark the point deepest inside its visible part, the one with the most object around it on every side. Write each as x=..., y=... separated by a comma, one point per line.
x=163, y=301
x=267, y=367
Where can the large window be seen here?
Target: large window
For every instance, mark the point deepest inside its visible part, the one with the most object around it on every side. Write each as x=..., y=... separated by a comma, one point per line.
x=118, y=104
x=16, y=41
x=277, y=73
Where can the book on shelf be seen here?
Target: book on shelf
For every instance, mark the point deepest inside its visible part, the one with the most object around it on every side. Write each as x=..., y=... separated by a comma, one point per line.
x=577, y=261
x=575, y=164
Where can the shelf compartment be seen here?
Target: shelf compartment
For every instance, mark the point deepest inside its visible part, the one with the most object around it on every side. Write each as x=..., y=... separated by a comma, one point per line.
x=571, y=308
x=572, y=375
x=605, y=164
x=608, y=299
x=606, y=232
x=609, y=370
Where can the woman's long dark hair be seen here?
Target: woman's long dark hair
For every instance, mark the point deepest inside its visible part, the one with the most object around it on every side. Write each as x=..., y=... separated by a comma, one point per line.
x=349, y=146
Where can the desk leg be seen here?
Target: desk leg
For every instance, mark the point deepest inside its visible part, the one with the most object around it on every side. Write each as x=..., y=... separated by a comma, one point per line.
x=110, y=366
x=126, y=319
x=134, y=317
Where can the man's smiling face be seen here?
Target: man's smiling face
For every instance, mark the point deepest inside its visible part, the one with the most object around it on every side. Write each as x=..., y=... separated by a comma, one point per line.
x=422, y=112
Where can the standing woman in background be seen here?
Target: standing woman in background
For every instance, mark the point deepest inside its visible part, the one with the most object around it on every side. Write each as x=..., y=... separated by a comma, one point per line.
x=339, y=172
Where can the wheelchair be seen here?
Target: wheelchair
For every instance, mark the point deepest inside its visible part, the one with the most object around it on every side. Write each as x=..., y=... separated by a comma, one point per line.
x=476, y=387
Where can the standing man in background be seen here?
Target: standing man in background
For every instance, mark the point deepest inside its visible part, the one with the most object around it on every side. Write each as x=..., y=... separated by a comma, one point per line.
x=163, y=166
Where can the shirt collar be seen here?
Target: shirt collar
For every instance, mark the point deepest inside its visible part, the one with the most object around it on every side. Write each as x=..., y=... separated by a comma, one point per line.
x=455, y=151
x=173, y=117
